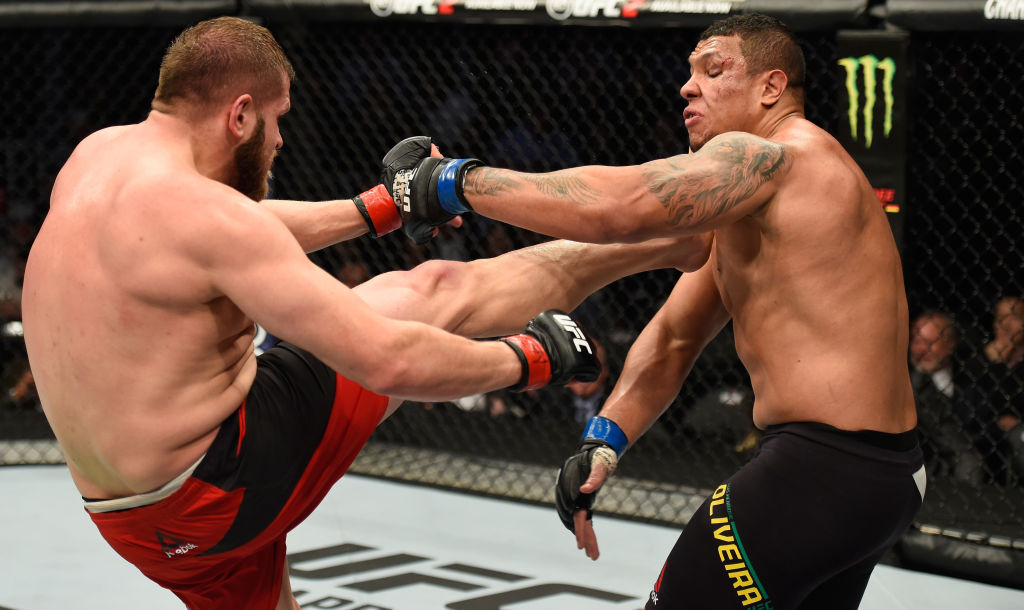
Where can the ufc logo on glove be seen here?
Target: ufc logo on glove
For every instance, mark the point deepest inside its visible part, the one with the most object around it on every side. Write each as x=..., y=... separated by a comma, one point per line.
x=569, y=326
x=401, y=188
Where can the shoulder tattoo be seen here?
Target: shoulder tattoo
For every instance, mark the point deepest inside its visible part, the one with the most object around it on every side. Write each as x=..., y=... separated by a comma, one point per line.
x=701, y=186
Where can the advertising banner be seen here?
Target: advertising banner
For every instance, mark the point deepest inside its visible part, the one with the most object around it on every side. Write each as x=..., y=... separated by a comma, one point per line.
x=799, y=15
x=873, y=113
x=956, y=15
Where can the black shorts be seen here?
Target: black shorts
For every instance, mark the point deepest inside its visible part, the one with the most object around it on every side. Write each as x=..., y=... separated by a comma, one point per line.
x=802, y=525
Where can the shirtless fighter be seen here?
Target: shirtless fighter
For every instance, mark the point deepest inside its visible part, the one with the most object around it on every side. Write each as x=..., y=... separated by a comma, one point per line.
x=804, y=264
x=194, y=456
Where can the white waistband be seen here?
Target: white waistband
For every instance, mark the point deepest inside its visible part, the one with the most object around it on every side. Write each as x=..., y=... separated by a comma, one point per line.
x=150, y=497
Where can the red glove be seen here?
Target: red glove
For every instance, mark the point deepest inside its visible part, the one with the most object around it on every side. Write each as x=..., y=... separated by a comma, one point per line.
x=378, y=210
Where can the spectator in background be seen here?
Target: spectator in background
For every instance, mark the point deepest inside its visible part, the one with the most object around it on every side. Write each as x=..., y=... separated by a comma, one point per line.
x=519, y=405
x=942, y=400
x=587, y=397
x=1005, y=354
x=13, y=254
x=17, y=387
x=998, y=372
x=578, y=400
x=24, y=389
x=12, y=270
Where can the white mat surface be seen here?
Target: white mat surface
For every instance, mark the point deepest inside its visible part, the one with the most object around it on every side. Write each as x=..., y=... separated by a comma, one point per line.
x=415, y=549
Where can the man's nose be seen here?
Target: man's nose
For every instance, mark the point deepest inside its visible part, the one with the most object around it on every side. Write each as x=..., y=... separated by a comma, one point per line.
x=689, y=90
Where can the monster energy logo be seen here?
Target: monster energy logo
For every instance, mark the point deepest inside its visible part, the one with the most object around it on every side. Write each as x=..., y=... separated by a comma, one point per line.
x=871, y=65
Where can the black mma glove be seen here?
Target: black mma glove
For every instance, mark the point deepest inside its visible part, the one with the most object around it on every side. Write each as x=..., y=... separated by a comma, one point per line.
x=378, y=210
x=553, y=349
x=602, y=441
x=427, y=190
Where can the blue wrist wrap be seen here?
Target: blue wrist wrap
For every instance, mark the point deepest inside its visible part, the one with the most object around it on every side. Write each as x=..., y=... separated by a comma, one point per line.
x=446, y=188
x=604, y=429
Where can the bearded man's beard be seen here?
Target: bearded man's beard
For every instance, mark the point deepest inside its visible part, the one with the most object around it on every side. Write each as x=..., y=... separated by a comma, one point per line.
x=252, y=165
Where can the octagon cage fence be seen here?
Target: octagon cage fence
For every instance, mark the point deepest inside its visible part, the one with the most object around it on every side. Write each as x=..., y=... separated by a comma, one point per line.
x=532, y=93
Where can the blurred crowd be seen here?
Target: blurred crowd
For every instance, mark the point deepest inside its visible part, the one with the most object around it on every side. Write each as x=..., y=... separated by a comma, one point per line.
x=970, y=395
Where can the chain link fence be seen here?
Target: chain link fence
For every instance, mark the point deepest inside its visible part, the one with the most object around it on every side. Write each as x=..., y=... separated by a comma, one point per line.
x=543, y=98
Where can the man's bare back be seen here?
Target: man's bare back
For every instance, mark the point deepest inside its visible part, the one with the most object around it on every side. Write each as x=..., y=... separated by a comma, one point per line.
x=156, y=359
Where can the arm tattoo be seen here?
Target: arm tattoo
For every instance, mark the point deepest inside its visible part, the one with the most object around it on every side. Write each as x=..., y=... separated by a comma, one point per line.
x=491, y=181
x=564, y=185
x=558, y=185
x=700, y=187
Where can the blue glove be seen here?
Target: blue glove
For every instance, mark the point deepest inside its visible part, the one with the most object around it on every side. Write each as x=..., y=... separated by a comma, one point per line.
x=427, y=190
x=603, y=441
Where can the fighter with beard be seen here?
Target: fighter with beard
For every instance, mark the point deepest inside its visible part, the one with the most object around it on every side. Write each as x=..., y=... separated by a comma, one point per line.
x=194, y=456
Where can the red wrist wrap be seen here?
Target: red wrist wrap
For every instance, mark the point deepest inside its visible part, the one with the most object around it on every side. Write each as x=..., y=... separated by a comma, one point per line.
x=381, y=209
x=535, y=361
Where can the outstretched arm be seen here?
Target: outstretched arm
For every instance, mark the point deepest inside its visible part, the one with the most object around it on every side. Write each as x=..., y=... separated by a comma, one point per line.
x=318, y=224
x=730, y=177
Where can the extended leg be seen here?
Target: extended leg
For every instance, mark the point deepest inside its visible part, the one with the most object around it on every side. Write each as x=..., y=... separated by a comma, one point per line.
x=499, y=295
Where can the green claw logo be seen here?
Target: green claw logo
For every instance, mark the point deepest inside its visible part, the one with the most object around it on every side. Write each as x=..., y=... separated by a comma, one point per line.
x=871, y=65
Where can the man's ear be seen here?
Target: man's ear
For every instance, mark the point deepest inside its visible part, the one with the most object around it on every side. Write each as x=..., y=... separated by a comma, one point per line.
x=241, y=116
x=774, y=86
